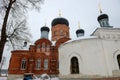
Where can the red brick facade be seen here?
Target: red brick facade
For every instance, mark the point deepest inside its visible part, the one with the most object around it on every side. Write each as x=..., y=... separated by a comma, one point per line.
x=42, y=57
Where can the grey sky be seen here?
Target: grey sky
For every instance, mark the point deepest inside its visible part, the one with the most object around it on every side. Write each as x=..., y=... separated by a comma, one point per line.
x=85, y=11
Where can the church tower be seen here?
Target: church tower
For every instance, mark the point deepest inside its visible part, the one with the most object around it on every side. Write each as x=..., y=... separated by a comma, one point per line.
x=60, y=28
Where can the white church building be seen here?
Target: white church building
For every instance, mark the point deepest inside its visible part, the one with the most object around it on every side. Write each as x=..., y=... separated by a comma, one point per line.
x=95, y=56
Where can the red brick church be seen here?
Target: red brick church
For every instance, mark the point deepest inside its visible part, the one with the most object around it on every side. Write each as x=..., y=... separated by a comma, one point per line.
x=42, y=57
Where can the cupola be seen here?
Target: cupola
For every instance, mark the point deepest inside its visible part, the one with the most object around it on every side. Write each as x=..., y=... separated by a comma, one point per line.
x=79, y=32
x=44, y=32
x=59, y=20
x=103, y=19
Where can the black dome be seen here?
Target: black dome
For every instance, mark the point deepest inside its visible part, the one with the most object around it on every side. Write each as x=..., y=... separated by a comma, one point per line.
x=60, y=21
x=102, y=16
x=44, y=28
x=79, y=31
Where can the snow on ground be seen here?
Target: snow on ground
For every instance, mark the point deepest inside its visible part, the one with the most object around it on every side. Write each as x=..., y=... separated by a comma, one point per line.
x=3, y=78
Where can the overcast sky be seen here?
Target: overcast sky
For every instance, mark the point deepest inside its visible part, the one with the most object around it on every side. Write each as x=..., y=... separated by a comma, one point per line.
x=84, y=11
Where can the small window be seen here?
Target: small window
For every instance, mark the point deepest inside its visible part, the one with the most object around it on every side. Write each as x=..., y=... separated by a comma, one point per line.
x=48, y=47
x=43, y=45
x=74, y=66
x=38, y=64
x=61, y=32
x=45, y=64
x=38, y=46
x=23, y=64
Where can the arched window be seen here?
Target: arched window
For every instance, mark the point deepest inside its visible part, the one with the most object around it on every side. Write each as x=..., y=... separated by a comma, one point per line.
x=23, y=64
x=48, y=48
x=38, y=46
x=74, y=66
x=38, y=64
x=43, y=47
x=45, y=64
x=61, y=32
x=118, y=59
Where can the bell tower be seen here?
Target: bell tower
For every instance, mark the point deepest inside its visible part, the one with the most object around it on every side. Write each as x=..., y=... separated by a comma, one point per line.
x=60, y=28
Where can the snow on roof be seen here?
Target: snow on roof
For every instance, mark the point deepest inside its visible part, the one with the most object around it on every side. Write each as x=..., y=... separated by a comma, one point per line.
x=53, y=43
x=80, y=38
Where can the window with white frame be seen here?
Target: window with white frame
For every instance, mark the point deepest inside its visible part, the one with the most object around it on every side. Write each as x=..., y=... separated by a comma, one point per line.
x=38, y=64
x=45, y=64
x=23, y=64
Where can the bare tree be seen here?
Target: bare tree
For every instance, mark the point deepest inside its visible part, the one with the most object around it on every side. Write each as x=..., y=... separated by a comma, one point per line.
x=13, y=26
x=17, y=33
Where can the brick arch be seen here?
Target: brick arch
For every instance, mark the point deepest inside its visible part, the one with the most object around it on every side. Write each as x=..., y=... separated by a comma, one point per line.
x=39, y=41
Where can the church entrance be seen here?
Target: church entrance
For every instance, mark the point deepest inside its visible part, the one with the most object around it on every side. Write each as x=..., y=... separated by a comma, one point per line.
x=118, y=59
x=74, y=67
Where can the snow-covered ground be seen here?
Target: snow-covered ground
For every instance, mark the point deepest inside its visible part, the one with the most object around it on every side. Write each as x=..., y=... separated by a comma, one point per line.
x=3, y=78
x=43, y=77
x=37, y=79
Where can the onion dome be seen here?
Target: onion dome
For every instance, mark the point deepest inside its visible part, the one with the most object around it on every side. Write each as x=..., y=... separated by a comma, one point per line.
x=103, y=20
x=25, y=44
x=102, y=16
x=44, y=28
x=80, y=32
x=60, y=21
x=44, y=32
